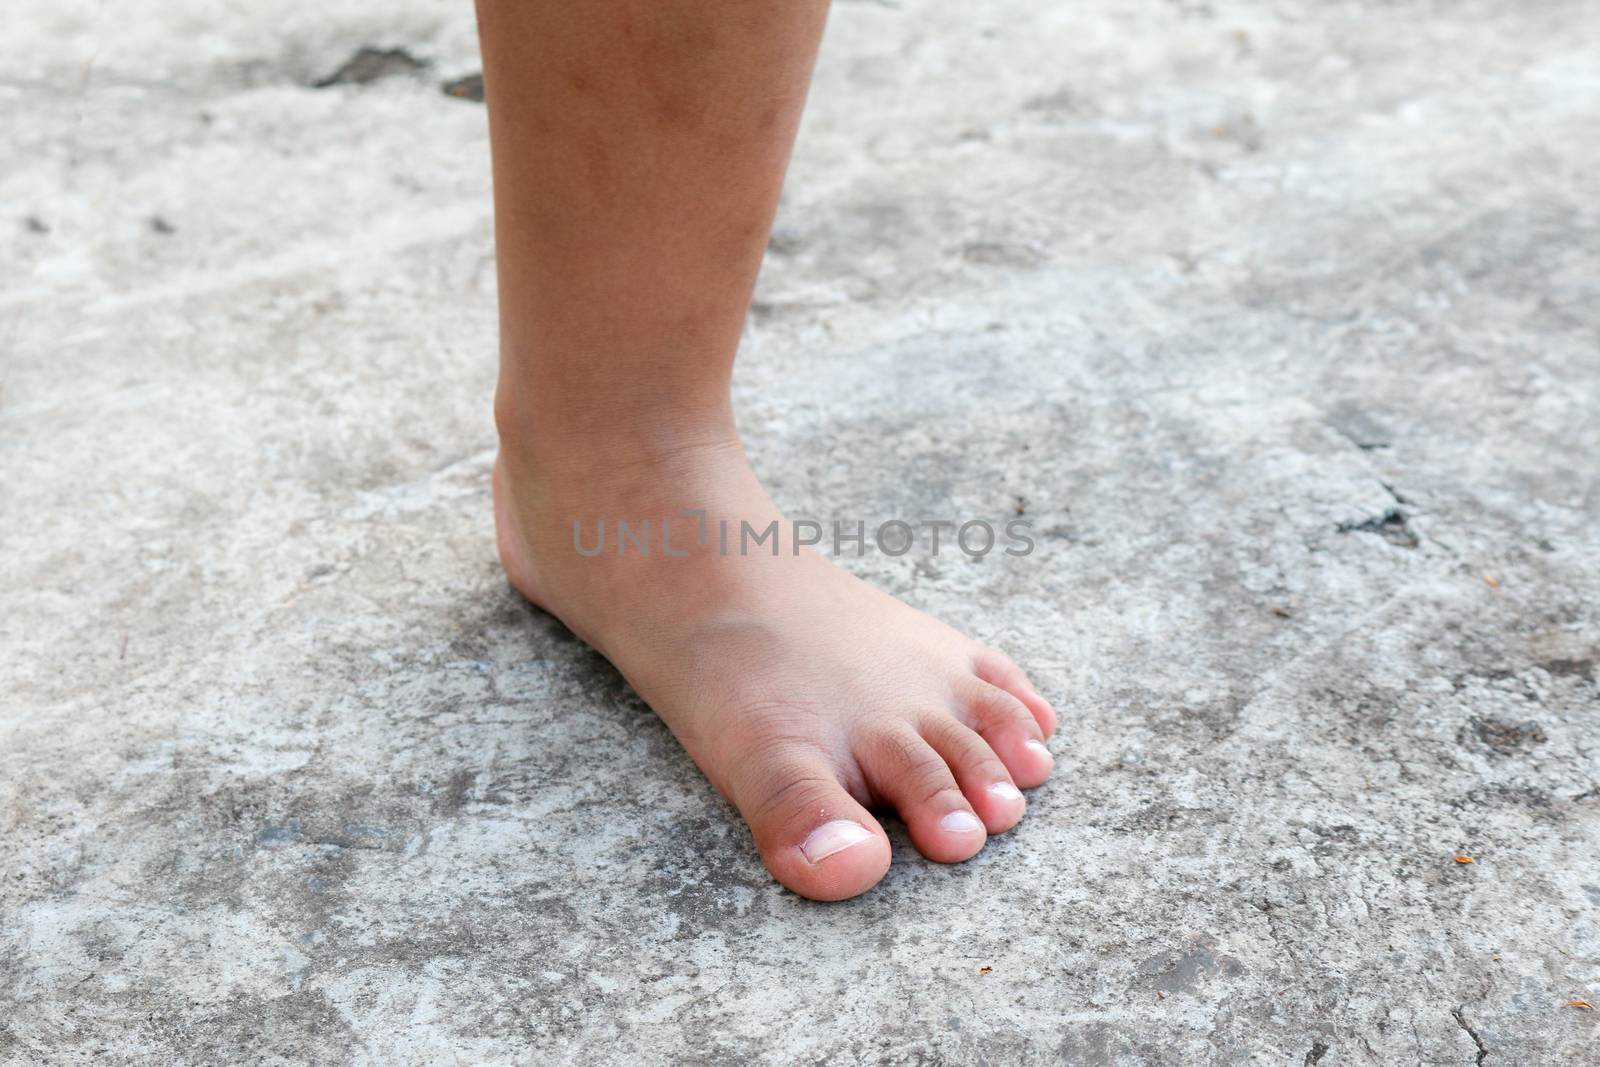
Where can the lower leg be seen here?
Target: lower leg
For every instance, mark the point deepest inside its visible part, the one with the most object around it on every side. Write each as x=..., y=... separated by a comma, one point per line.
x=639, y=149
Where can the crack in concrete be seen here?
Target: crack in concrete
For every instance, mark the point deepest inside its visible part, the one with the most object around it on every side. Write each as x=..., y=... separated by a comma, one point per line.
x=1392, y=526
x=1461, y=1021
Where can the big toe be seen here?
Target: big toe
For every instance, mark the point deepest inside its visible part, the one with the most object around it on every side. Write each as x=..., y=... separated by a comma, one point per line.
x=813, y=836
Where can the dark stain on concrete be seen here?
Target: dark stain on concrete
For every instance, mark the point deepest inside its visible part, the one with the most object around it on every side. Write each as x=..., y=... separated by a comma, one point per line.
x=1569, y=668
x=279, y=835
x=1392, y=526
x=1188, y=971
x=1504, y=737
x=369, y=64
x=467, y=87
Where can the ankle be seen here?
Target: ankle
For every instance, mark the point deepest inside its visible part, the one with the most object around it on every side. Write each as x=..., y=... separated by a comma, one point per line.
x=583, y=438
x=583, y=448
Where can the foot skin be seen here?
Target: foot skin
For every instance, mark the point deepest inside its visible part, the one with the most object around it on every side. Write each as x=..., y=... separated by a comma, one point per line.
x=804, y=694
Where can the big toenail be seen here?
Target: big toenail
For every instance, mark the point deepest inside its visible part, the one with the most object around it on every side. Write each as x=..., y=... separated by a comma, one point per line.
x=960, y=822
x=1005, y=791
x=831, y=837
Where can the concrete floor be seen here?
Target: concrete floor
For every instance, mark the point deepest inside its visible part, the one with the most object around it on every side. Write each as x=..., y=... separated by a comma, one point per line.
x=1281, y=320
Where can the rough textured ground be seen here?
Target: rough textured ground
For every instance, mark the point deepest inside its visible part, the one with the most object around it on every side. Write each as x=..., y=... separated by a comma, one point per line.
x=1280, y=320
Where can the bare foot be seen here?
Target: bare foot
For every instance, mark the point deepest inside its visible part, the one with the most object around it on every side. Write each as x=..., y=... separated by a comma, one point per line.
x=804, y=694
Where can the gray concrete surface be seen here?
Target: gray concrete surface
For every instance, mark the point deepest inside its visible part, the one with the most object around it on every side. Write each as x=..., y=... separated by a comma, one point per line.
x=1280, y=320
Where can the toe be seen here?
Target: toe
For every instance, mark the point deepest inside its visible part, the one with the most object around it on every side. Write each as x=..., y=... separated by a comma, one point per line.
x=998, y=669
x=813, y=836
x=981, y=775
x=906, y=772
x=1006, y=723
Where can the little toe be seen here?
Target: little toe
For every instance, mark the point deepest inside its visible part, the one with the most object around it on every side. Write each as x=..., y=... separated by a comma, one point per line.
x=998, y=669
x=906, y=772
x=982, y=776
x=813, y=836
x=1010, y=728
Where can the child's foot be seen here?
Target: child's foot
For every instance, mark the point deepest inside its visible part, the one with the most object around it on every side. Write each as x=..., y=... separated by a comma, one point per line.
x=804, y=694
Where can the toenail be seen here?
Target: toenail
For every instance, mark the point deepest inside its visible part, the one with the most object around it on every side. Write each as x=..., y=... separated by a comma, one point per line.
x=1005, y=791
x=1039, y=747
x=831, y=837
x=960, y=822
